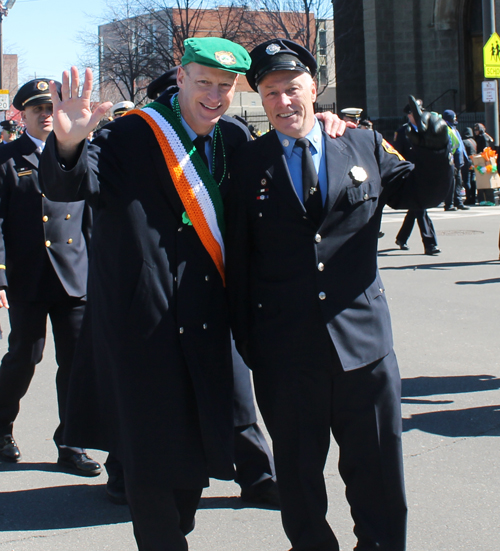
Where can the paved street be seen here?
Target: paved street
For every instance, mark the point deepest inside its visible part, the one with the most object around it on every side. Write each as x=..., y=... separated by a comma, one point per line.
x=447, y=333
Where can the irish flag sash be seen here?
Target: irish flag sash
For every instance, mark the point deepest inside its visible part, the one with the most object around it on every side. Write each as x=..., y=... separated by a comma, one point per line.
x=195, y=185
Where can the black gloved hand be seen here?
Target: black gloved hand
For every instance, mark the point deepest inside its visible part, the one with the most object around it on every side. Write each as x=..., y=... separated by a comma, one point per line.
x=432, y=129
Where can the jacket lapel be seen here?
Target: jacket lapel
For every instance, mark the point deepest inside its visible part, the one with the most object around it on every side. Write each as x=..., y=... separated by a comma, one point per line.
x=278, y=173
x=337, y=165
x=28, y=149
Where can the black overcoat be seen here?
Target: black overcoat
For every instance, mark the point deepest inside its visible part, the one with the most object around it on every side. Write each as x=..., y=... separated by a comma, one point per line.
x=152, y=380
x=284, y=270
x=43, y=244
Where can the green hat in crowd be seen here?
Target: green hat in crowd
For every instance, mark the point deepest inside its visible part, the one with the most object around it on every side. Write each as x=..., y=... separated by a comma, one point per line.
x=218, y=53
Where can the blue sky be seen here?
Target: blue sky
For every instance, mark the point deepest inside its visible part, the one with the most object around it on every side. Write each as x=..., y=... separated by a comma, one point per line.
x=44, y=34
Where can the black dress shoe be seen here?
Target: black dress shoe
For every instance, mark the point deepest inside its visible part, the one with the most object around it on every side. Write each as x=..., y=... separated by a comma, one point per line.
x=402, y=246
x=463, y=207
x=432, y=250
x=265, y=493
x=115, y=490
x=8, y=449
x=79, y=463
x=447, y=209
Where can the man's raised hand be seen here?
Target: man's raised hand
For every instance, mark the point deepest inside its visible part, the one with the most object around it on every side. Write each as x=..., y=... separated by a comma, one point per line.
x=73, y=117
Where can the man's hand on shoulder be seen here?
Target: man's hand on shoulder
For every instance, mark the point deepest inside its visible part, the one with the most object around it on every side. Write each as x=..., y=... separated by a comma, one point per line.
x=432, y=130
x=334, y=126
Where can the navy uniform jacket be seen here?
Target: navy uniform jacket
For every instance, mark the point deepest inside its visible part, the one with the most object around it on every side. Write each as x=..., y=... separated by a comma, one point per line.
x=43, y=244
x=154, y=358
x=282, y=269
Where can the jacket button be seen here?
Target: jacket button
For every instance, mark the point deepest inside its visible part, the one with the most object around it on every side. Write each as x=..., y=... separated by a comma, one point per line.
x=181, y=330
x=48, y=243
x=45, y=218
x=205, y=326
x=317, y=238
x=260, y=214
x=322, y=296
x=180, y=229
x=70, y=240
x=321, y=266
x=259, y=305
x=207, y=278
x=68, y=216
x=366, y=196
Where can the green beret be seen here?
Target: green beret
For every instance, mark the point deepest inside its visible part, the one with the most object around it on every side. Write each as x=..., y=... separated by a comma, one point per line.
x=218, y=53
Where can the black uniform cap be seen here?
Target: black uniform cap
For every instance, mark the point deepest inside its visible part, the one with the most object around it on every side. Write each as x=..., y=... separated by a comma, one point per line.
x=10, y=126
x=34, y=92
x=160, y=84
x=279, y=55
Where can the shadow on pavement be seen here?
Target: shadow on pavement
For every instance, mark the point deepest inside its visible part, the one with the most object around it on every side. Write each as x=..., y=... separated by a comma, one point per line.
x=480, y=421
x=59, y=507
x=479, y=281
x=434, y=265
x=430, y=386
x=229, y=503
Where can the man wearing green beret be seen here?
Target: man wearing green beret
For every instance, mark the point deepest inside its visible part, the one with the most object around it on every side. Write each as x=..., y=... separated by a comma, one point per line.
x=153, y=362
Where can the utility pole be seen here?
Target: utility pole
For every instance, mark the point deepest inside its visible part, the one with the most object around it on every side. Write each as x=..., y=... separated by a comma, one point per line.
x=490, y=109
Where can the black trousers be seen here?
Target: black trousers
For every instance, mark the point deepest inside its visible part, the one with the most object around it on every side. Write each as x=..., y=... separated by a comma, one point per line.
x=306, y=402
x=161, y=516
x=425, y=225
x=454, y=197
x=28, y=326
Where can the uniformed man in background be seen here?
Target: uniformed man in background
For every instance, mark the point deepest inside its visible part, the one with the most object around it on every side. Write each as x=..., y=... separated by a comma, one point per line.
x=9, y=131
x=119, y=109
x=43, y=272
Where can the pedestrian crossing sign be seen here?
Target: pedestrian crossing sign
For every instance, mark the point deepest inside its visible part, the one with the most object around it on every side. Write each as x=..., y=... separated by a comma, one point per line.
x=491, y=57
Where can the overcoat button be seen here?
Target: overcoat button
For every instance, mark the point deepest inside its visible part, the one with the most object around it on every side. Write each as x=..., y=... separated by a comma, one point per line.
x=205, y=325
x=321, y=266
x=317, y=238
x=322, y=296
x=207, y=278
x=260, y=214
x=70, y=241
x=68, y=216
x=45, y=218
x=48, y=243
x=181, y=330
x=366, y=196
x=259, y=305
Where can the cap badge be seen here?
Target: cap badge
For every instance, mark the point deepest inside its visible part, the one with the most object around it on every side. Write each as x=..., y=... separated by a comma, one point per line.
x=226, y=58
x=42, y=86
x=273, y=49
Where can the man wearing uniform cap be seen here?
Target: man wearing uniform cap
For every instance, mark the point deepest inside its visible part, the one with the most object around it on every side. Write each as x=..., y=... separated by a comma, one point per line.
x=9, y=131
x=43, y=272
x=154, y=355
x=309, y=312
x=119, y=109
x=352, y=114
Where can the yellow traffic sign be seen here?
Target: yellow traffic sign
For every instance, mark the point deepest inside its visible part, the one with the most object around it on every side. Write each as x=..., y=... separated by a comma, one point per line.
x=491, y=57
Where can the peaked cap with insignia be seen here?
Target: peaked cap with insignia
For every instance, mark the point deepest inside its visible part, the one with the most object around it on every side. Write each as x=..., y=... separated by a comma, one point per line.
x=34, y=92
x=279, y=55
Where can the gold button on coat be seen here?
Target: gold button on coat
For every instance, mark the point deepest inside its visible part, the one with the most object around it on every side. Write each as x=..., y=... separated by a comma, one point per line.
x=322, y=296
x=45, y=218
x=317, y=238
x=48, y=243
x=70, y=240
x=321, y=266
x=68, y=216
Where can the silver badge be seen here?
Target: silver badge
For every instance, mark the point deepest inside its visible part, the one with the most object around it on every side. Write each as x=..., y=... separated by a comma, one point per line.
x=273, y=49
x=285, y=143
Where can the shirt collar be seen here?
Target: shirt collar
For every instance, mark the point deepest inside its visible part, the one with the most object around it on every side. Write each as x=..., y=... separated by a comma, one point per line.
x=39, y=143
x=315, y=138
x=191, y=133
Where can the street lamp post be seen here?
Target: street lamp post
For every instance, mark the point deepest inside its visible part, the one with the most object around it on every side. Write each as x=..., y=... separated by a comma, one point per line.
x=4, y=10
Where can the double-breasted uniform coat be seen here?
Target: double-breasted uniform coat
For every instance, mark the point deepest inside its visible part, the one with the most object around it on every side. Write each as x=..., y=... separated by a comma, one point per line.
x=153, y=367
x=310, y=315
x=44, y=263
